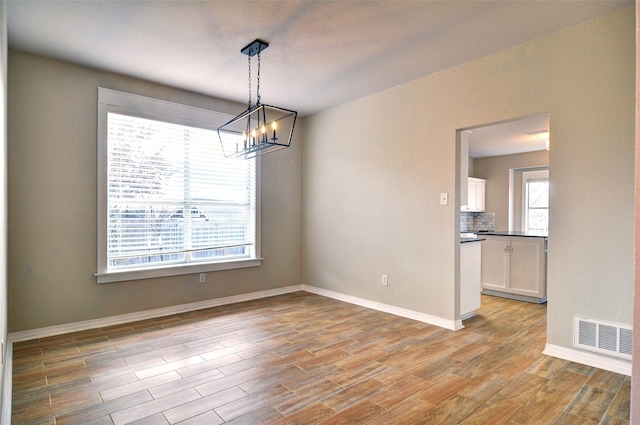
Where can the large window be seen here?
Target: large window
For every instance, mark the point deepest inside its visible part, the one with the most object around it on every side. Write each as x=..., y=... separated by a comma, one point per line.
x=169, y=202
x=536, y=202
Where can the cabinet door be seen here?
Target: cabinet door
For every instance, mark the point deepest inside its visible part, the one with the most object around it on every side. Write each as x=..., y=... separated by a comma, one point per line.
x=475, y=195
x=472, y=190
x=480, y=195
x=495, y=263
x=470, y=255
x=528, y=267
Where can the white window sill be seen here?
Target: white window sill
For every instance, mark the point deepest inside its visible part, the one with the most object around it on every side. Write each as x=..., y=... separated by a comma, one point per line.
x=175, y=270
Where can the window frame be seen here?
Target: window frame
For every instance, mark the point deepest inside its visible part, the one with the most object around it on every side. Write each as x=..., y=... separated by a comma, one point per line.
x=145, y=107
x=532, y=176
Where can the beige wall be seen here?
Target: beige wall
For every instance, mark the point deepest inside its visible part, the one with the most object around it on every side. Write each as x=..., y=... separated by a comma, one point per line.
x=495, y=170
x=374, y=170
x=52, y=204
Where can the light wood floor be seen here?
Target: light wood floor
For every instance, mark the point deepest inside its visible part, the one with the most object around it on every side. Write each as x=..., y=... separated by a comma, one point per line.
x=305, y=359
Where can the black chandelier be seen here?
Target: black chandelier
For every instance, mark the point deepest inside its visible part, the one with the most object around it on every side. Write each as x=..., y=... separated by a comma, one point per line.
x=261, y=128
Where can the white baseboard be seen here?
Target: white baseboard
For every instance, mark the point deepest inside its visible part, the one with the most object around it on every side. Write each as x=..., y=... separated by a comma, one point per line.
x=453, y=325
x=589, y=359
x=147, y=314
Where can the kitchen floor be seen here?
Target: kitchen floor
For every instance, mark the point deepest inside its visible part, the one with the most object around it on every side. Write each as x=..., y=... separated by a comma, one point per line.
x=305, y=359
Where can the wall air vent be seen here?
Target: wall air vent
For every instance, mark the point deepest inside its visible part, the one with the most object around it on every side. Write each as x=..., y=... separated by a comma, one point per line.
x=613, y=339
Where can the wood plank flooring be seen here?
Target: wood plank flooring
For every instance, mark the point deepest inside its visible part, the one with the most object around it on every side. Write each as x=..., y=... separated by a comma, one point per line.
x=305, y=359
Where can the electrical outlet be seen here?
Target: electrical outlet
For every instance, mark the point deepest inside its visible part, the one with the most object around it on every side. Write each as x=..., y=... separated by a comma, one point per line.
x=385, y=282
x=203, y=278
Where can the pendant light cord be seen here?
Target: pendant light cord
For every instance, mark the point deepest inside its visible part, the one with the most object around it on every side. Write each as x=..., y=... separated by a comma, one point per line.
x=249, y=105
x=258, y=88
x=258, y=81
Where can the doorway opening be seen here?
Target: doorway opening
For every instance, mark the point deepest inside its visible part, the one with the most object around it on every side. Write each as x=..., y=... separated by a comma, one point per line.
x=507, y=165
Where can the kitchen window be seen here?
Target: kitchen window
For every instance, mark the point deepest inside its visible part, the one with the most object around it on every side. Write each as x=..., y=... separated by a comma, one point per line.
x=169, y=202
x=535, y=190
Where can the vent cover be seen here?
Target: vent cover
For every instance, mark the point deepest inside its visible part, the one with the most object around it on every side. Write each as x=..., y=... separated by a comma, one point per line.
x=614, y=339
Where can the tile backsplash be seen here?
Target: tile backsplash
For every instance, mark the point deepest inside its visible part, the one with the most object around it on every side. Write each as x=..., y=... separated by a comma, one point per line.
x=475, y=221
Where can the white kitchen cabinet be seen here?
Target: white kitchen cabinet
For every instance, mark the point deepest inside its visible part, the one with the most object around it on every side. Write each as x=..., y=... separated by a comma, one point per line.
x=515, y=267
x=470, y=289
x=495, y=262
x=475, y=195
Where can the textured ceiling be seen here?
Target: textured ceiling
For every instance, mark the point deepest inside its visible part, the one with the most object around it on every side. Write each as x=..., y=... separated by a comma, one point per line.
x=321, y=53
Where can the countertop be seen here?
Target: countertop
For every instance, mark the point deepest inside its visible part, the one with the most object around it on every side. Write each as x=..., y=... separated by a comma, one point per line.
x=511, y=233
x=466, y=240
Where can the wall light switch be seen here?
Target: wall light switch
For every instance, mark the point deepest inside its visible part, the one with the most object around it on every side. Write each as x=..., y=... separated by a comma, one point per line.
x=444, y=198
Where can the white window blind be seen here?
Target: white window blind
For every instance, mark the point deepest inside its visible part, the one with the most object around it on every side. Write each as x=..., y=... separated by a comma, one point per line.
x=170, y=198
